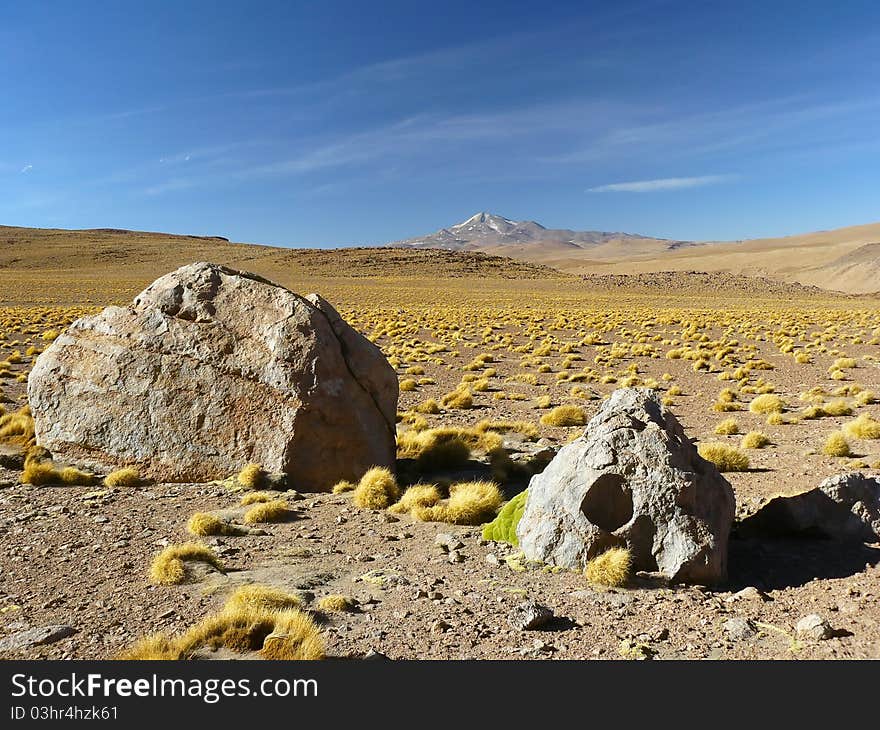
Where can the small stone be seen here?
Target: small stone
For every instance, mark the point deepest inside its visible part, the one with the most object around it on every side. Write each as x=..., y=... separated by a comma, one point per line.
x=739, y=629
x=447, y=543
x=746, y=594
x=455, y=556
x=36, y=637
x=440, y=627
x=492, y=559
x=813, y=626
x=373, y=655
x=388, y=518
x=529, y=615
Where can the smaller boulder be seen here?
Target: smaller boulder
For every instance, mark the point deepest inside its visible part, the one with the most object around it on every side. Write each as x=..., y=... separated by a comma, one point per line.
x=739, y=629
x=36, y=637
x=529, y=615
x=814, y=627
x=845, y=507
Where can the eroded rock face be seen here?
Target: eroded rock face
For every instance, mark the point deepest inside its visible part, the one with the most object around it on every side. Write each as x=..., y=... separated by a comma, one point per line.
x=209, y=369
x=844, y=507
x=632, y=480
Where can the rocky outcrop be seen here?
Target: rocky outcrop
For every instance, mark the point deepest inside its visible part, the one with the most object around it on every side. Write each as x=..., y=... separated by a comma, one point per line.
x=209, y=369
x=633, y=480
x=845, y=507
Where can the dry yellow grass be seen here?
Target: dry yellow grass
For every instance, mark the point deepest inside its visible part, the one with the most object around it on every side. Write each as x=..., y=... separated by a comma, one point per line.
x=257, y=497
x=203, y=524
x=74, y=477
x=40, y=474
x=343, y=486
x=469, y=503
x=766, y=404
x=566, y=415
x=836, y=445
x=754, y=440
x=377, y=489
x=263, y=598
x=460, y=399
x=125, y=478
x=169, y=566
x=863, y=427
x=251, y=476
x=725, y=457
x=418, y=495
x=727, y=427
x=612, y=568
x=263, y=512
x=17, y=428
x=275, y=634
x=335, y=603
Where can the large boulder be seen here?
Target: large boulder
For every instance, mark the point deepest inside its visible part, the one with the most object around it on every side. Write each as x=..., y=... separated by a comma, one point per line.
x=844, y=507
x=634, y=480
x=209, y=369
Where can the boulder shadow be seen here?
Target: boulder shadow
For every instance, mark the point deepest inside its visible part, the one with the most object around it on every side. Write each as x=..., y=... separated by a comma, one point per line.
x=789, y=562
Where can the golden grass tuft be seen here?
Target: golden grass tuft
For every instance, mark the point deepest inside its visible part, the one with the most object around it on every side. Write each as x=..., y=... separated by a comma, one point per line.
x=343, y=486
x=18, y=428
x=262, y=512
x=168, y=567
x=377, y=489
x=74, y=477
x=127, y=477
x=565, y=415
x=294, y=637
x=776, y=419
x=251, y=476
x=262, y=598
x=440, y=448
x=418, y=495
x=863, y=427
x=726, y=458
x=256, y=498
x=460, y=398
x=836, y=445
x=727, y=427
x=469, y=503
x=612, y=568
x=39, y=473
x=429, y=406
x=524, y=428
x=203, y=524
x=754, y=440
x=336, y=603
x=276, y=634
x=766, y=404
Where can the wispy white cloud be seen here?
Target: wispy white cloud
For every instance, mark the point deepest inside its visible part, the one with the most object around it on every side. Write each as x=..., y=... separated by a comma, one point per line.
x=27, y=168
x=661, y=184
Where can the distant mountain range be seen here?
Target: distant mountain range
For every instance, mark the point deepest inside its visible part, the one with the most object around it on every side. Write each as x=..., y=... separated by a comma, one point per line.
x=844, y=259
x=488, y=231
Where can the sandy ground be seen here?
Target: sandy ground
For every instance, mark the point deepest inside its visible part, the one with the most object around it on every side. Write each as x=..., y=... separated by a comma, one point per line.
x=70, y=559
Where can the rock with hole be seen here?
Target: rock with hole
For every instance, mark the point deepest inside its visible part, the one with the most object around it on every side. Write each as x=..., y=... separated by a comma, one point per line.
x=632, y=480
x=211, y=368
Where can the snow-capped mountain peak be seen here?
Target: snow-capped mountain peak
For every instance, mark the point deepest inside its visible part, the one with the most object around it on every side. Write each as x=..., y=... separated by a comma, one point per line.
x=486, y=231
x=483, y=220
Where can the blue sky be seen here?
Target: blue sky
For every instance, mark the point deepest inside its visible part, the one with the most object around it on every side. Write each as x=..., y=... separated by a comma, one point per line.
x=336, y=122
